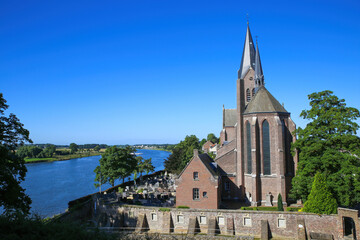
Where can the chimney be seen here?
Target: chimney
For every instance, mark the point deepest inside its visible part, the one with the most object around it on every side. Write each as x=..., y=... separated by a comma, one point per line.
x=196, y=152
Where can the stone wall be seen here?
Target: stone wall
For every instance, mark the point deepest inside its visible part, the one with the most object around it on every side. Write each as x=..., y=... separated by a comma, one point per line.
x=285, y=225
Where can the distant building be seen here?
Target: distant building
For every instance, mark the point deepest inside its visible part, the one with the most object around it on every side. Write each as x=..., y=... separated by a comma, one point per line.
x=254, y=158
x=206, y=147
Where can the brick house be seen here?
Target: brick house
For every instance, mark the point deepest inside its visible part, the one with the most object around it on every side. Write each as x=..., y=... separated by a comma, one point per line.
x=254, y=161
x=206, y=147
x=198, y=183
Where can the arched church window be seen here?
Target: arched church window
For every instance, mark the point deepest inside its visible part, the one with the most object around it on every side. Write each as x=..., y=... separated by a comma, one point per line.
x=248, y=147
x=248, y=97
x=253, y=92
x=266, y=147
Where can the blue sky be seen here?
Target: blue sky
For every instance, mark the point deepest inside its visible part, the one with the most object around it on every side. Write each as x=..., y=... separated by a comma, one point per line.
x=119, y=72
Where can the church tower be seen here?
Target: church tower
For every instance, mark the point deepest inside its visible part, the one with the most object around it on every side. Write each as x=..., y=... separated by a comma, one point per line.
x=255, y=154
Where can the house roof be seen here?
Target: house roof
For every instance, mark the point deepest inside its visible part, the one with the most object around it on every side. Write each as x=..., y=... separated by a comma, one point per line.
x=208, y=163
x=230, y=117
x=264, y=102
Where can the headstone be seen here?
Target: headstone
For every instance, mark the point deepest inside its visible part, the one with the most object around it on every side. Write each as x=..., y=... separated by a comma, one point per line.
x=268, y=200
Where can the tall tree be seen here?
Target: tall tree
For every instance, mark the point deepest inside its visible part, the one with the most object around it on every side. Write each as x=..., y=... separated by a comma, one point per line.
x=329, y=145
x=73, y=147
x=181, y=154
x=115, y=163
x=320, y=199
x=12, y=167
x=212, y=138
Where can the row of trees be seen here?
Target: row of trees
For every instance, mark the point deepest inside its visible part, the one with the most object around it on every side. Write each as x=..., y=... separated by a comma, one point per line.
x=36, y=152
x=119, y=163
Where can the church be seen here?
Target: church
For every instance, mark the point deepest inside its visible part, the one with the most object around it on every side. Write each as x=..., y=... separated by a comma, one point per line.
x=254, y=162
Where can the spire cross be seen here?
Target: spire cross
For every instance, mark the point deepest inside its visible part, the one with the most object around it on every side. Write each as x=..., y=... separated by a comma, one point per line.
x=256, y=38
x=247, y=18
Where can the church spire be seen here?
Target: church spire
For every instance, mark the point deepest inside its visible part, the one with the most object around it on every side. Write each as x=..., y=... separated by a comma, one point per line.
x=248, y=57
x=259, y=76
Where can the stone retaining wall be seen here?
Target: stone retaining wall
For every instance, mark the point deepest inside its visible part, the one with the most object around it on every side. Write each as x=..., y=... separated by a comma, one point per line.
x=285, y=225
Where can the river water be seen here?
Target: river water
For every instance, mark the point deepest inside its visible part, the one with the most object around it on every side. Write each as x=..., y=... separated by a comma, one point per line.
x=51, y=185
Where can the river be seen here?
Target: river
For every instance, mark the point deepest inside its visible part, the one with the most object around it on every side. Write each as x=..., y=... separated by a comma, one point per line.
x=51, y=185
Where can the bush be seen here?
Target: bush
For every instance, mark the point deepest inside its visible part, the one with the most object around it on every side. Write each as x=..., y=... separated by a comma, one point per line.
x=120, y=190
x=280, y=206
x=320, y=199
x=293, y=209
x=184, y=207
x=266, y=208
x=247, y=208
x=164, y=209
x=37, y=228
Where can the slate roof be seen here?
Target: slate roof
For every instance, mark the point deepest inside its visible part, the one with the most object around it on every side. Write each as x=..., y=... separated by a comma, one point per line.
x=209, y=163
x=264, y=102
x=230, y=117
x=248, y=57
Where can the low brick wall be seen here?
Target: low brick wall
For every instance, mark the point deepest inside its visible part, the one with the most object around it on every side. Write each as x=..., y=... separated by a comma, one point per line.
x=285, y=225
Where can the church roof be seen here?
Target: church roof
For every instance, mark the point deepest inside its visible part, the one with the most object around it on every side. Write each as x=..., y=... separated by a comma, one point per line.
x=209, y=163
x=248, y=57
x=230, y=117
x=264, y=102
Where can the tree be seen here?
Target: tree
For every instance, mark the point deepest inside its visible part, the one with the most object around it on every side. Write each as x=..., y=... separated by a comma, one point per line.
x=181, y=154
x=28, y=151
x=97, y=148
x=320, y=199
x=329, y=145
x=115, y=163
x=202, y=142
x=280, y=206
x=212, y=138
x=147, y=166
x=12, y=167
x=73, y=147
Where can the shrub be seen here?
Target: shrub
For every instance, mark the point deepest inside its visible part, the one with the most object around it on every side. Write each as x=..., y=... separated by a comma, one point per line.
x=320, y=199
x=247, y=208
x=184, y=207
x=164, y=209
x=266, y=208
x=293, y=209
x=280, y=206
x=120, y=190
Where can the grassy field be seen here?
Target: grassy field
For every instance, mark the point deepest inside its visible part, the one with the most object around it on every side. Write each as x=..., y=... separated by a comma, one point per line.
x=62, y=157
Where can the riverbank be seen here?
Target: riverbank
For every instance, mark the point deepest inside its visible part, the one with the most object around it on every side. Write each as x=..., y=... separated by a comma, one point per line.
x=61, y=157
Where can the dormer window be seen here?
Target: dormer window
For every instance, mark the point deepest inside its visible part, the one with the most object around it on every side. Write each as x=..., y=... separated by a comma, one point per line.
x=196, y=176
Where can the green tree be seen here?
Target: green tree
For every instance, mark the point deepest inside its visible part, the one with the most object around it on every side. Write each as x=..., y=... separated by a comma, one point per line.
x=181, y=154
x=202, y=142
x=280, y=206
x=147, y=166
x=73, y=147
x=97, y=148
x=212, y=138
x=329, y=145
x=12, y=167
x=320, y=199
x=115, y=163
x=28, y=151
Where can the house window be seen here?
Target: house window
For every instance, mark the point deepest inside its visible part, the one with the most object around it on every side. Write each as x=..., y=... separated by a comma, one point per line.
x=205, y=194
x=202, y=220
x=247, y=221
x=154, y=217
x=248, y=97
x=196, y=195
x=180, y=218
x=196, y=176
x=266, y=147
x=227, y=186
x=248, y=147
x=253, y=92
x=221, y=221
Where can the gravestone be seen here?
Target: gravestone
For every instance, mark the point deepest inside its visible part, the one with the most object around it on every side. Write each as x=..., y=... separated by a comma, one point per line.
x=268, y=202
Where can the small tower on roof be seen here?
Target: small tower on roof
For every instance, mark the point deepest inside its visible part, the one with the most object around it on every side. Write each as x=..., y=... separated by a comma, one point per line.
x=259, y=75
x=248, y=56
